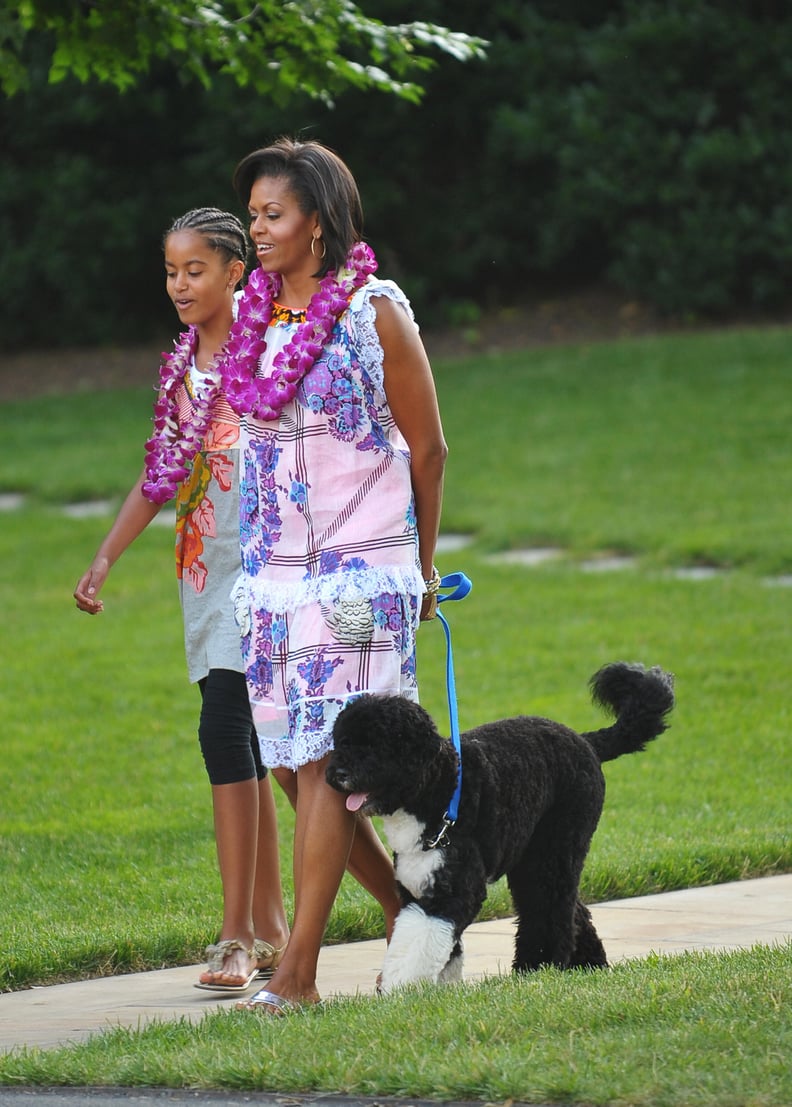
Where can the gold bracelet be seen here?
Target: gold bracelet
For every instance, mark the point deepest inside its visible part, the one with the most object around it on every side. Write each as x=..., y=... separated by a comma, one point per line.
x=432, y=586
x=431, y=591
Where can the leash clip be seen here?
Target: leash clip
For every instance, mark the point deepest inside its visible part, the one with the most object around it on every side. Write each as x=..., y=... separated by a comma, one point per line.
x=442, y=835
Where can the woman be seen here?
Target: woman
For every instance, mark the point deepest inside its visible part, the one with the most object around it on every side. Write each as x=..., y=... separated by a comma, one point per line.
x=340, y=496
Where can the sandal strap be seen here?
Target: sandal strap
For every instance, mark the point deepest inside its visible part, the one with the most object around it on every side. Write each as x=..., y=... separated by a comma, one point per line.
x=216, y=954
x=267, y=953
x=280, y=1004
x=263, y=951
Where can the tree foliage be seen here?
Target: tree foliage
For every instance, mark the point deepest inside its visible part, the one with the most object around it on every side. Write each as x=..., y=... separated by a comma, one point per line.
x=318, y=47
x=645, y=142
x=641, y=142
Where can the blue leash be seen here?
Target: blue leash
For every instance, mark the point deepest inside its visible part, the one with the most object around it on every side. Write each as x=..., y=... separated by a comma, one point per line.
x=461, y=585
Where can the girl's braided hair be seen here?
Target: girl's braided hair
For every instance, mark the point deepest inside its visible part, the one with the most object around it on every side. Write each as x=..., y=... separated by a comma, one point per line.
x=222, y=231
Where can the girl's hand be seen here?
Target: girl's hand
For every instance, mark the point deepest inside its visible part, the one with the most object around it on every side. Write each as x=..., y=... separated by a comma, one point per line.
x=135, y=515
x=86, y=592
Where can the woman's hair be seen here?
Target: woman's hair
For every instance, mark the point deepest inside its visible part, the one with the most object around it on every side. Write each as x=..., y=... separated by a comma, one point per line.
x=321, y=183
x=222, y=231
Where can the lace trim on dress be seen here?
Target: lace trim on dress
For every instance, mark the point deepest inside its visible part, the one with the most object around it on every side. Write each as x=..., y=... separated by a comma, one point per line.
x=329, y=589
x=308, y=744
x=362, y=321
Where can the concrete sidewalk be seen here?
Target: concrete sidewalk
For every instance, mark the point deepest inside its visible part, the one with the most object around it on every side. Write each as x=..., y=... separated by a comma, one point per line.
x=723, y=917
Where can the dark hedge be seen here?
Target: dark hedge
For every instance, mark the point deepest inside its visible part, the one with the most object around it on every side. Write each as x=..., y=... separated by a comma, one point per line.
x=646, y=144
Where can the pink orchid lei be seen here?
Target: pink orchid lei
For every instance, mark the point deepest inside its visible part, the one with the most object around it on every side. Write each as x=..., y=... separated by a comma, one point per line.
x=264, y=397
x=172, y=447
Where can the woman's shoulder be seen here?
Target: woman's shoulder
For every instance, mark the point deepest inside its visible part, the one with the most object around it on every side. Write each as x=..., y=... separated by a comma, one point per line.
x=368, y=330
x=374, y=306
x=374, y=287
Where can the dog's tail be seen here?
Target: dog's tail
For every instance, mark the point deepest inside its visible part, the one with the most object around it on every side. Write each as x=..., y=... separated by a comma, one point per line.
x=639, y=698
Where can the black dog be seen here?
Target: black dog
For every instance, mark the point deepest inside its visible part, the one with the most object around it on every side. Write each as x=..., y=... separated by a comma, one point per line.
x=532, y=794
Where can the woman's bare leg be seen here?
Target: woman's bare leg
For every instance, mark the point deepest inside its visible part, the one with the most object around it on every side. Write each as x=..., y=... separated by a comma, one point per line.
x=323, y=836
x=369, y=861
x=371, y=866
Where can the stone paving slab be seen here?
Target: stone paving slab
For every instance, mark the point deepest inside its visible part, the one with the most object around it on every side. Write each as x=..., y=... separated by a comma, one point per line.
x=723, y=917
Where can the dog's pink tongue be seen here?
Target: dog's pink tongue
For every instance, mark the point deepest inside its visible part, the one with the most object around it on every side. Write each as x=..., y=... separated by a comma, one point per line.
x=355, y=801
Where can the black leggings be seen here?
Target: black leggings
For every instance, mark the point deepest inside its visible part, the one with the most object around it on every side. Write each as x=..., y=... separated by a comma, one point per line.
x=226, y=733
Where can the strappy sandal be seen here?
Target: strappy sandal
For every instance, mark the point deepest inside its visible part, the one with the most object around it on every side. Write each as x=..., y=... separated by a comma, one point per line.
x=267, y=957
x=268, y=1003
x=215, y=958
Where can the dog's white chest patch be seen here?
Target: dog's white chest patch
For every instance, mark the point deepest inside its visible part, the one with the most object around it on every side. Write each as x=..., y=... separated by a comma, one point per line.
x=415, y=866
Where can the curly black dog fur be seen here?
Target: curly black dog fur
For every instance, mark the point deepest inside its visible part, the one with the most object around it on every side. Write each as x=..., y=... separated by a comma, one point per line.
x=532, y=794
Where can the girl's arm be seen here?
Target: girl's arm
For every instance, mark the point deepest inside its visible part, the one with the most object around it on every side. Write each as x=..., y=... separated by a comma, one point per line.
x=134, y=516
x=411, y=395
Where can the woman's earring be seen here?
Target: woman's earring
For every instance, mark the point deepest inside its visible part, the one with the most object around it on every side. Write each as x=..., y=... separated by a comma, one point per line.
x=313, y=247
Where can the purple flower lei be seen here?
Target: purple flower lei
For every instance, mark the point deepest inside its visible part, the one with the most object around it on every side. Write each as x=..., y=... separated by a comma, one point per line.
x=173, y=445
x=264, y=397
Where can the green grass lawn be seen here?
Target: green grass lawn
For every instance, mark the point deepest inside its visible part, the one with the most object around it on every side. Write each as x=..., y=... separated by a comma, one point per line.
x=698, y=1030
x=673, y=450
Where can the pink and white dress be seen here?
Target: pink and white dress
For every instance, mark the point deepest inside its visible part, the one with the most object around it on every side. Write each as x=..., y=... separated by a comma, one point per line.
x=329, y=596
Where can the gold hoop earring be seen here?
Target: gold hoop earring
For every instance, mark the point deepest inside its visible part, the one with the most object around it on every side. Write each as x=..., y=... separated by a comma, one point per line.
x=313, y=249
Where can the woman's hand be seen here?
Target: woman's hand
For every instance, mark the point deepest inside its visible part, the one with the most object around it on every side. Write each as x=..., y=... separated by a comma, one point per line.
x=428, y=608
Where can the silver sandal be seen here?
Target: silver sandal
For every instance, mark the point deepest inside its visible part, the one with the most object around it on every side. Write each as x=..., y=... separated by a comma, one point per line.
x=279, y=1005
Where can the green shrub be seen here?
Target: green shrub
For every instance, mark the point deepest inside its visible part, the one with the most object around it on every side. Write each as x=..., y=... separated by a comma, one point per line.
x=635, y=141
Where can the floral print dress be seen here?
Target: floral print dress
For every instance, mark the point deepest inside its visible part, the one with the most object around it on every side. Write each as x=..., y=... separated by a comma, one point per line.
x=207, y=539
x=329, y=594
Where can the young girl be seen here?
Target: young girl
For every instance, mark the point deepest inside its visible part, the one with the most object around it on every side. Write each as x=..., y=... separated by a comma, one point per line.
x=193, y=455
